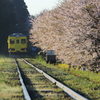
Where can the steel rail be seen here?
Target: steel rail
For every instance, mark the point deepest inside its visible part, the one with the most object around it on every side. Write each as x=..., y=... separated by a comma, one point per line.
x=66, y=89
x=26, y=94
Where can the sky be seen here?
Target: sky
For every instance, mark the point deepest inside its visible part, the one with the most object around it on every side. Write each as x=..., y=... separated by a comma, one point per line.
x=37, y=6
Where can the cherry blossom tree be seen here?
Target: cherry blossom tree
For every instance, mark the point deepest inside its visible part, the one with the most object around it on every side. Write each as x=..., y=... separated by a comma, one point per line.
x=72, y=30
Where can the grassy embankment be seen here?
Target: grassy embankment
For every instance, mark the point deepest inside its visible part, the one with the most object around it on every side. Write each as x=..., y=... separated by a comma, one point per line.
x=10, y=88
x=85, y=82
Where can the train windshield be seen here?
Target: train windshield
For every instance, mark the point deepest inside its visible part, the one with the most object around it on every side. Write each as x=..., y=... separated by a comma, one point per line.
x=11, y=41
x=23, y=41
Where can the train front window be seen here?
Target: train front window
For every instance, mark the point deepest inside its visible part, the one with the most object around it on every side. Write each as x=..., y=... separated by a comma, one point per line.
x=11, y=41
x=17, y=41
x=23, y=41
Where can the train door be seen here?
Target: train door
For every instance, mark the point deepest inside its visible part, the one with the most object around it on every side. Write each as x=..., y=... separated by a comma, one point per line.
x=17, y=46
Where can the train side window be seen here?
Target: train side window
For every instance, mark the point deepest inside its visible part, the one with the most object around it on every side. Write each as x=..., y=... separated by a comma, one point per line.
x=17, y=41
x=23, y=41
x=11, y=41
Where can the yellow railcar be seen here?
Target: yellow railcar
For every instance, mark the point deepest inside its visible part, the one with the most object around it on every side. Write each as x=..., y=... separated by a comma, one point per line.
x=17, y=44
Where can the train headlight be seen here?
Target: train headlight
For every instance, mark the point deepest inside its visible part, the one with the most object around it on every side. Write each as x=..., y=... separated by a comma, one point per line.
x=11, y=49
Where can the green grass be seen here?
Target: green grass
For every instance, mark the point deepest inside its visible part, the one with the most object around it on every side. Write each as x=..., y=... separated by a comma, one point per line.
x=94, y=77
x=85, y=82
x=10, y=88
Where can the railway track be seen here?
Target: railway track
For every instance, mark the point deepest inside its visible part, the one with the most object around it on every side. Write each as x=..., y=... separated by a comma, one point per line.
x=37, y=87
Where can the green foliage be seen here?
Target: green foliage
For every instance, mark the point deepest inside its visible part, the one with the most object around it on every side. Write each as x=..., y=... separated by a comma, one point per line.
x=13, y=18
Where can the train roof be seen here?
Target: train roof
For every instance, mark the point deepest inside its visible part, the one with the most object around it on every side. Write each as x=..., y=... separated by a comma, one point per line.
x=17, y=35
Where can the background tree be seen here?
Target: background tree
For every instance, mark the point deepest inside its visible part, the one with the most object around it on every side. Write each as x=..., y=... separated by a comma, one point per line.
x=72, y=30
x=22, y=14
x=14, y=17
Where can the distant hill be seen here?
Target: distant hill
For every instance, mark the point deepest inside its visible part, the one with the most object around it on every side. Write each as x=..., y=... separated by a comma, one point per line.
x=72, y=30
